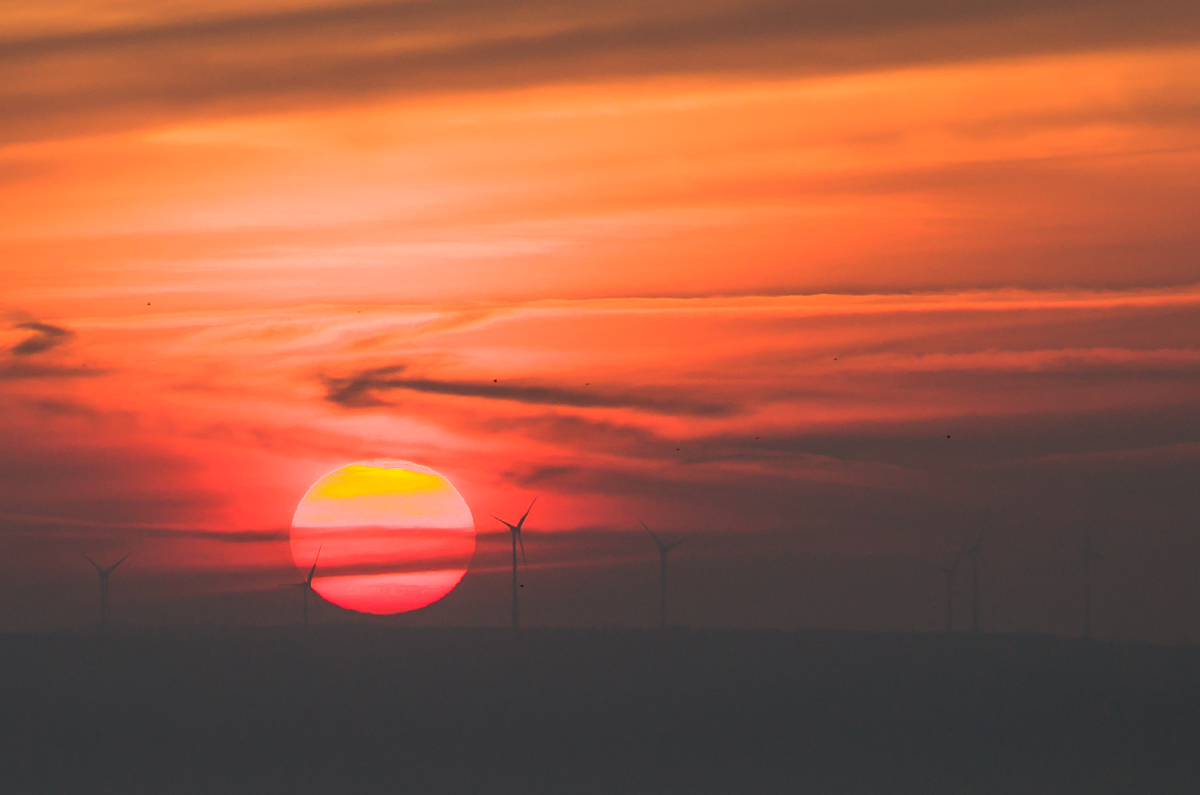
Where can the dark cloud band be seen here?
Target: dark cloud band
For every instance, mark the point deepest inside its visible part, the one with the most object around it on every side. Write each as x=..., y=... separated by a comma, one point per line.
x=45, y=337
x=131, y=77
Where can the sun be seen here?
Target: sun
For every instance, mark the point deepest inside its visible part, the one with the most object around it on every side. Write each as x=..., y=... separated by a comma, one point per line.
x=393, y=536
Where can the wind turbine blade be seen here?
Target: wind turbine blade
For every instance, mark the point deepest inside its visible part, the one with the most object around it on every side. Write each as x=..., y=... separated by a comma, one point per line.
x=119, y=562
x=651, y=532
x=521, y=523
x=313, y=570
x=521, y=541
x=512, y=527
x=94, y=563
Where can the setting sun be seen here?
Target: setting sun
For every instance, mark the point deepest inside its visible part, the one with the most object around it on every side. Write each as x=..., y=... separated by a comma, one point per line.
x=392, y=536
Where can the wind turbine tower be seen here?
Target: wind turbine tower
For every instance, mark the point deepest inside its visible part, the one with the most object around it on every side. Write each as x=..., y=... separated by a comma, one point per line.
x=307, y=584
x=104, y=573
x=1089, y=555
x=973, y=553
x=515, y=530
x=663, y=550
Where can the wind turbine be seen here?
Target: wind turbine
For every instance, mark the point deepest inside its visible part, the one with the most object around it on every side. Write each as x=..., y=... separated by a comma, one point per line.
x=974, y=553
x=1089, y=555
x=103, y=572
x=949, y=572
x=515, y=529
x=307, y=584
x=663, y=549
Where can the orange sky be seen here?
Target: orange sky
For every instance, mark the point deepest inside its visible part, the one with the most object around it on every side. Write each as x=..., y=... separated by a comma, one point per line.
x=845, y=282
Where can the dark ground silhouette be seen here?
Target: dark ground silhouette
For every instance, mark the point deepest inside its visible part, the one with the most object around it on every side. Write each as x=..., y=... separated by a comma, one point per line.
x=360, y=708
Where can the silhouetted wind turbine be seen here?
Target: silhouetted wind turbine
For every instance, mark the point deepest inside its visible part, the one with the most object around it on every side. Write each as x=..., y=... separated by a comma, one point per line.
x=974, y=553
x=663, y=549
x=515, y=529
x=103, y=572
x=1088, y=556
x=949, y=572
x=307, y=584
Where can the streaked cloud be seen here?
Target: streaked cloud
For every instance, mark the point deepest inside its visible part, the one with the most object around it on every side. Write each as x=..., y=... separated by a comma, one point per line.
x=263, y=58
x=362, y=389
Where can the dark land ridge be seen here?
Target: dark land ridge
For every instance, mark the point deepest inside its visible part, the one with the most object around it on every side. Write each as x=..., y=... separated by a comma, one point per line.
x=362, y=708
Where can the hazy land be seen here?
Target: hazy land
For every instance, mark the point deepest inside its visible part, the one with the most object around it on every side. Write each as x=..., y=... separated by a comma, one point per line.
x=362, y=708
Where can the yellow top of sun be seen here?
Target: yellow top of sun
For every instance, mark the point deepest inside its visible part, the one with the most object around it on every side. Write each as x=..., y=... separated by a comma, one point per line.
x=358, y=480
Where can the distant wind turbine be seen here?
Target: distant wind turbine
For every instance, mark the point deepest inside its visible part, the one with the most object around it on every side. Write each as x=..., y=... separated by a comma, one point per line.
x=663, y=550
x=307, y=584
x=974, y=553
x=103, y=572
x=949, y=572
x=1089, y=555
x=515, y=529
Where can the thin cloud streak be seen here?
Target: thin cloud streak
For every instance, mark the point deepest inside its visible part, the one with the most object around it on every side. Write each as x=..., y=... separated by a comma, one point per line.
x=82, y=528
x=21, y=371
x=359, y=390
